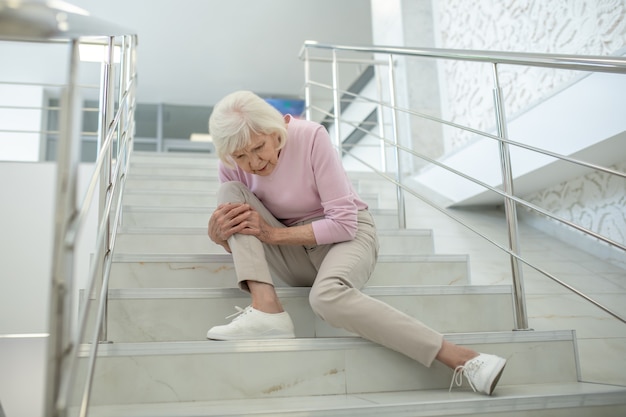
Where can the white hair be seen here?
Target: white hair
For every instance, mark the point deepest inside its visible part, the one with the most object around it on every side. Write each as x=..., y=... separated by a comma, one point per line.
x=239, y=115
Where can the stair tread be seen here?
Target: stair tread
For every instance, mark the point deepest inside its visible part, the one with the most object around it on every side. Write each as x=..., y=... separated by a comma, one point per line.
x=306, y=344
x=202, y=230
x=170, y=209
x=389, y=404
x=160, y=177
x=226, y=257
x=378, y=290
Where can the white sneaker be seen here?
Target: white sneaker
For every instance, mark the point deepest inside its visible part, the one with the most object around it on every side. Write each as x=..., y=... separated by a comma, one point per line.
x=483, y=373
x=250, y=324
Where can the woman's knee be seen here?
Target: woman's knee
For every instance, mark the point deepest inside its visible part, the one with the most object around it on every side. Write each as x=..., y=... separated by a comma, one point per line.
x=325, y=300
x=232, y=192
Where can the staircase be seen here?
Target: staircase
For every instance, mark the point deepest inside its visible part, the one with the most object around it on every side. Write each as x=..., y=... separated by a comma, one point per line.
x=170, y=284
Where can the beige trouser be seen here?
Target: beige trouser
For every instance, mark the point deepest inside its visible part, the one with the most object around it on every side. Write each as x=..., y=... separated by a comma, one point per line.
x=335, y=273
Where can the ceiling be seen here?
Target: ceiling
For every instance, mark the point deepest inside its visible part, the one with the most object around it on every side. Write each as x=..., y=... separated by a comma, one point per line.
x=196, y=51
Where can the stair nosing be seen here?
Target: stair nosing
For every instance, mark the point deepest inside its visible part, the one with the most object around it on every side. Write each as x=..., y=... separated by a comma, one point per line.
x=192, y=230
x=226, y=257
x=161, y=177
x=130, y=208
x=421, y=403
x=285, y=292
x=186, y=209
x=306, y=344
x=144, y=191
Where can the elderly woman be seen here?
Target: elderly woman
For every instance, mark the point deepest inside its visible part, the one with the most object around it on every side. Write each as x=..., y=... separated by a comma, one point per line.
x=286, y=208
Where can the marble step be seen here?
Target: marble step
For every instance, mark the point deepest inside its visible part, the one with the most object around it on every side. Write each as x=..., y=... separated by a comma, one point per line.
x=185, y=165
x=217, y=271
x=368, y=176
x=206, y=183
x=194, y=240
x=190, y=168
x=175, y=314
x=384, y=189
x=173, y=158
x=206, y=169
x=206, y=199
x=164, y=372
x=169, y=198
x=568, y=399
x=209, y=182
x=147, y=216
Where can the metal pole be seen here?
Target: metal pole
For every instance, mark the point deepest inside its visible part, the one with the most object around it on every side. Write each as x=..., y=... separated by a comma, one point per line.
x=131, y=93
x=307, y=85
x=394, y=124
x=521, y=316
x=125, y=92
x=107, y=108
x=61, y=300
x=381, y=120
x=337, y=104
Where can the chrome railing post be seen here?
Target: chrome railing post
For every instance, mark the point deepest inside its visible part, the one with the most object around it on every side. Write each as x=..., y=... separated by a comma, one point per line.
x=61, y=300
x=127, y=54
x=107, y=109
x=337, y=104
x=381, y=120
x=521, y=316
x=395, y=132
x=307, y=84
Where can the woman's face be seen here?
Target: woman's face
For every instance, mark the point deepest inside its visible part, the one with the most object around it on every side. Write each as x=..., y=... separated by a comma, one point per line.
x=260, y=156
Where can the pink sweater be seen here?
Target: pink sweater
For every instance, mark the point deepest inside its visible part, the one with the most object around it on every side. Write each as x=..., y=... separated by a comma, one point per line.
x=308, y=181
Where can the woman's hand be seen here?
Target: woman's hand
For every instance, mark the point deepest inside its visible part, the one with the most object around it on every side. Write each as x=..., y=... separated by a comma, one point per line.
x=226, y=220
x=255, y=225
x=231, y=218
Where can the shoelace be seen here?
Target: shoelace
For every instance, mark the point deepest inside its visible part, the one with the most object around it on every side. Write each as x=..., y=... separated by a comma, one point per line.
x=240, y=312
x=459, y=371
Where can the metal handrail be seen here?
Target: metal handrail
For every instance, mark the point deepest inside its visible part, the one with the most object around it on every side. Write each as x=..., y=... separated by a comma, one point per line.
x=560, y=61
x=492, y=188
x=54, y=23
x=476, y=132
x=487, y=186
x=488, y=239
x=593, y=63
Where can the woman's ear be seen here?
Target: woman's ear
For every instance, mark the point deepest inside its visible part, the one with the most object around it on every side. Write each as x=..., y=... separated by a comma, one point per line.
x=287, y=118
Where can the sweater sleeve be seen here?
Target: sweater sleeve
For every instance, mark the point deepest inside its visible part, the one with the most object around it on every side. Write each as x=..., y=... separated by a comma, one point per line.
x=336, y=193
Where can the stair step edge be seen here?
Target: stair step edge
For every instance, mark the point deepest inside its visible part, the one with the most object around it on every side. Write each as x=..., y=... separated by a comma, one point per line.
x=161, y=177
x=226, y=257
x=176, y=293
x=423, y=403
x=192, y=230
x=307, y=344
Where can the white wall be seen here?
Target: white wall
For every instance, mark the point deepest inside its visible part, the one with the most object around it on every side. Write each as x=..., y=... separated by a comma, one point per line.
x=22, y=365
x=583, y=27
x=571, y=123
x=26, y=221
